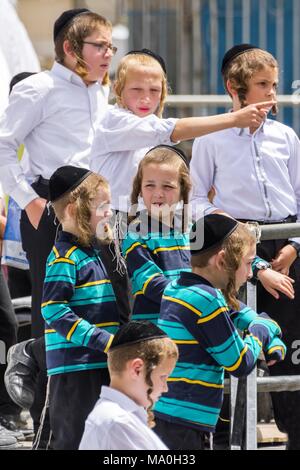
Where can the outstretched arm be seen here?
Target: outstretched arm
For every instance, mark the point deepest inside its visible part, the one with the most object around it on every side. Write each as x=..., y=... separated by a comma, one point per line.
x=250, y=116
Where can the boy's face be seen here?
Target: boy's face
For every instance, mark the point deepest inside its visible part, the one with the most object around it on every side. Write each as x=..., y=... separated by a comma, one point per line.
x=262, y=85
x=97, y=59
x=160, y=188
x=159, y=378
x=244, y=272
x=100, y=211
x=142, y=90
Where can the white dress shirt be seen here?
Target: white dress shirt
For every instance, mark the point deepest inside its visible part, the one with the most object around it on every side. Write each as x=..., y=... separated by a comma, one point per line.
x=121, y=141
x=55, y=115
x=118, y=423
x=256, y=176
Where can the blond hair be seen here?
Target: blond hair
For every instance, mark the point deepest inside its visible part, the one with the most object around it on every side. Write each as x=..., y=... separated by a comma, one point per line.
x=76, y=32
x=235, y=247
x=132, y=61
x=152, y=352
x=159, y=156
x=243, y=67
x=81, y=197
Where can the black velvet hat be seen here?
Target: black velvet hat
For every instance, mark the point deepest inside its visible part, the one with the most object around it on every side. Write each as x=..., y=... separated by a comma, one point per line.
x=65, y=179
x=210, y=231
x=155, y=56
x=135, y=332
x=179, y=152
x=234, y=52
x=18, y=78
x=65, y=18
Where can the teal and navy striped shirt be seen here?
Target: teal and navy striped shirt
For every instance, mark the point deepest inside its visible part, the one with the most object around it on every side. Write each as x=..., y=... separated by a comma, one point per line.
x=154, y=258
x=195, y=315
x=79, y=308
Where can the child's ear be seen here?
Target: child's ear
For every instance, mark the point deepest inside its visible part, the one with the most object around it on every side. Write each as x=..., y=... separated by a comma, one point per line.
x=68, y=49
x=230, y=88
x=137, y=366
x=70, y=210
x=220, y=260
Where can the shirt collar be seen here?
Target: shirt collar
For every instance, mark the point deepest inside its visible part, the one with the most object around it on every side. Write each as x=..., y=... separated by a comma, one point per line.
x=241, y=131
x=66, y=74
x=109, y=393
x=246, y=130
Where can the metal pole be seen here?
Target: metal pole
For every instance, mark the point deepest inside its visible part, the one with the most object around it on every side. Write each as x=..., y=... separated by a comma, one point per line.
x=251, y=390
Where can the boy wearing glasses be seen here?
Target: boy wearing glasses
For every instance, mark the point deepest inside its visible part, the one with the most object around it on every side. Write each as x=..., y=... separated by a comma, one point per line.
x=54, y=113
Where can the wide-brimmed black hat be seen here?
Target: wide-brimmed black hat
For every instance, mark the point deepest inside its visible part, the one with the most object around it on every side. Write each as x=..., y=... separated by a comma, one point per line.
x=155, y=56
x=65, y=19
x=135, y=332
x=210, y=231
x=234, y=52
x=65, y=179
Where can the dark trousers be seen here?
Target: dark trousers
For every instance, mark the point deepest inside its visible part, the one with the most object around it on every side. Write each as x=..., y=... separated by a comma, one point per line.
x=8, y=337
x=72, y=397
x=286, y=312
x=37, y=243
x=19, y=282
x=179, y=437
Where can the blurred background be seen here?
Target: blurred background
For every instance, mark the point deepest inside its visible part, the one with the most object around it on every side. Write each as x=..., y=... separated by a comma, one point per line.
x=192, y=36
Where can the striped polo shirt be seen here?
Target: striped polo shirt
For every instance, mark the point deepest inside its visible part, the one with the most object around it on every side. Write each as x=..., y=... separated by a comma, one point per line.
x=155, y=255
x=79, y=308
x=195, y=315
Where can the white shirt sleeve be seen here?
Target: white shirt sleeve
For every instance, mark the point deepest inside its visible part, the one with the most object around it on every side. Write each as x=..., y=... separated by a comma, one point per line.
x=202, y=170
x=23, y=114
x=123, y=131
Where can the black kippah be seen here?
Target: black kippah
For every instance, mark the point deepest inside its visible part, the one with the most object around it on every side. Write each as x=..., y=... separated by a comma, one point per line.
x=179, y=152
x=65, y=179
x=135, y=332
x=65, y=18
x=155, y=56
x=234, y=52
x=210, y=231
x=18, y=78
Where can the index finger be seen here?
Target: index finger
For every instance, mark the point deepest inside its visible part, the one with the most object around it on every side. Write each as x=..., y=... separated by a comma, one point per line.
x=265, y=104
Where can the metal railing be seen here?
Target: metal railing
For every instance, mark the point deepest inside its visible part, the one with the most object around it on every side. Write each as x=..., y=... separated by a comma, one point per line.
x=243, y=391
x=220, y=100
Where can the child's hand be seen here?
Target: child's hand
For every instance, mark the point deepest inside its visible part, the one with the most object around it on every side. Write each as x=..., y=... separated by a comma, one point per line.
x=285, y=257
x=275, y=282
x=34, y=211
x=275, y=351
x=253, y=114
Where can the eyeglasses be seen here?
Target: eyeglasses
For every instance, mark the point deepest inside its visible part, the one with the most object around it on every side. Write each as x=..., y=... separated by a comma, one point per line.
x=102, y=46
